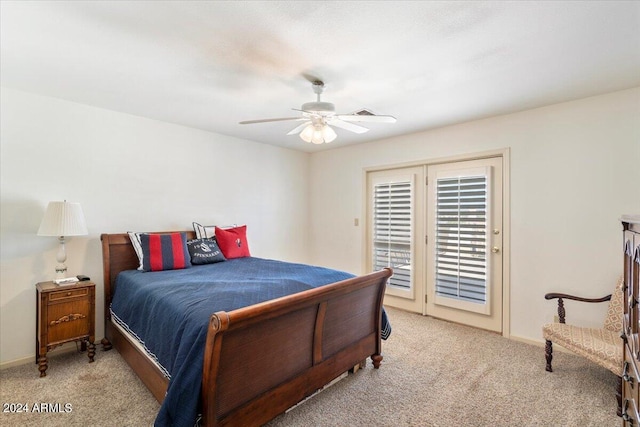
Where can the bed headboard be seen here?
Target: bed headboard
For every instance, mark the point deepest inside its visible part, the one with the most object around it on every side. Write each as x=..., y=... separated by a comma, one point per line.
x=118, y=255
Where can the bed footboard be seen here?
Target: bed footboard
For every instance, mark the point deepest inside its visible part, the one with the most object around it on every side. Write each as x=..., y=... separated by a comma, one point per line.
x=263, y=359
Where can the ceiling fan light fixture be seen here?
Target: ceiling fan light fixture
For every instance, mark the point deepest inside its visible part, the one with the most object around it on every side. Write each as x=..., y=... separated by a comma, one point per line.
x=318, y=137
x=318, y=133
x=307, y=133
x=328, y=133
x=315, y=116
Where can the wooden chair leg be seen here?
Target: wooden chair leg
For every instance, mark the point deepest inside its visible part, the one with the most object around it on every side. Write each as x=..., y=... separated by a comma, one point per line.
x=548, y=352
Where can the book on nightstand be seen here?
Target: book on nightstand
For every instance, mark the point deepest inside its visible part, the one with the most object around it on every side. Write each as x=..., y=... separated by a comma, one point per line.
x=66, y=281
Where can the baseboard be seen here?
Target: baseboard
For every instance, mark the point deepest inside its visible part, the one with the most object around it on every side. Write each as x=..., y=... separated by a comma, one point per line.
x=65, y=348
x=538, y=343
x=68, y=348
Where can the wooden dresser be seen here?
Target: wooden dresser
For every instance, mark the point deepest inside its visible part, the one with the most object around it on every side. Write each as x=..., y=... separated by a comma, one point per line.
x=631, y=342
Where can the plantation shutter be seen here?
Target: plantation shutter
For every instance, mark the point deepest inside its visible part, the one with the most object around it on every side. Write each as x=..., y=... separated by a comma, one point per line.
x=392, y=230
x=462, y=237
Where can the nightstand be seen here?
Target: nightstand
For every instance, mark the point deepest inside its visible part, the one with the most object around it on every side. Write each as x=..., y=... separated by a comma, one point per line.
x=64, y=313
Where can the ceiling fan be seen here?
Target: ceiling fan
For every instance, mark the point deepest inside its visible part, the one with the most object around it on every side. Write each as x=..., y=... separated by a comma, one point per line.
x=318, y=117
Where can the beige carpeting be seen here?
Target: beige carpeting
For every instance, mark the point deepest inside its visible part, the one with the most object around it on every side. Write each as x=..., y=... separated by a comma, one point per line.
x=434, y=373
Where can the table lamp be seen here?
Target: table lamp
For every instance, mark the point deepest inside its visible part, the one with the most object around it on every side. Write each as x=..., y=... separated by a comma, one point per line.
x=62, y=219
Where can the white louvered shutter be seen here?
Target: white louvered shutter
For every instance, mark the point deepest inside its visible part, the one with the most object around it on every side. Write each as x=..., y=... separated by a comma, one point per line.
x=392, y=230
x=462, y=237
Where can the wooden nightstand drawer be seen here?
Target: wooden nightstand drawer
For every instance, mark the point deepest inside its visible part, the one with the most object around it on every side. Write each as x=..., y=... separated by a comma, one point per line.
x=64, y=314
x=66, y=294
x=68, y=321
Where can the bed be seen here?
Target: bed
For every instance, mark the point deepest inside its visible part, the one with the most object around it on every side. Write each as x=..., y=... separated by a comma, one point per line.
x=256, y=360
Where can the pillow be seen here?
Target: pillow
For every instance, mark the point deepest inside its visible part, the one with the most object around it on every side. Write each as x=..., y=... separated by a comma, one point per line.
x=204, y=251
x=207, y=231
x=204, y=231
x=135, y=242
x=164, y=251
x=233, y=241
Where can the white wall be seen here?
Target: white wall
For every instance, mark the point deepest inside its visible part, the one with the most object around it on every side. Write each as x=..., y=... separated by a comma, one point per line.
x=575, y=168
x=572, y=166
x=129, y=173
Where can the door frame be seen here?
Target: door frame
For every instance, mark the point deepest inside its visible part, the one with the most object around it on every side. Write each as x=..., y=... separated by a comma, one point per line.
x=505, y=154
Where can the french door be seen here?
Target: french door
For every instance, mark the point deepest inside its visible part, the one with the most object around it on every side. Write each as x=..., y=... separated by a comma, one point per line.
x=464, y=252
x=439, y=226
x=395, y=200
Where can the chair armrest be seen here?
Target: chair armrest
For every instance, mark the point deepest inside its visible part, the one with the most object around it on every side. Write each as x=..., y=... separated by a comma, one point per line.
x=554, y=295
x=560, y=297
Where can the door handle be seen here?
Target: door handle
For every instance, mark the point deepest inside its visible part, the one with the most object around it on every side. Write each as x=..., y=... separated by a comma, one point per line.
x=495, y=249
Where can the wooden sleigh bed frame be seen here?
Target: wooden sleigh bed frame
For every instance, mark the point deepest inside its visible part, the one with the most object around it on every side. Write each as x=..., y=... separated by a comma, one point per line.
x=262, y=359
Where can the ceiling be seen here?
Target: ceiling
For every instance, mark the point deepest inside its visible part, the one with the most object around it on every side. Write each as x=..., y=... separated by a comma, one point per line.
x=209, y=65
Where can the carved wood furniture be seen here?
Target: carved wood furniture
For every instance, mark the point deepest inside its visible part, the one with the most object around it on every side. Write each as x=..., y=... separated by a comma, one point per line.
x=262, y=359
x=631, y=342
x=600, y=345
x=64, y=314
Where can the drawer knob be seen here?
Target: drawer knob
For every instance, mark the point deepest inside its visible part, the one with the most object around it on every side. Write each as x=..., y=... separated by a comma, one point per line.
x=68, y=294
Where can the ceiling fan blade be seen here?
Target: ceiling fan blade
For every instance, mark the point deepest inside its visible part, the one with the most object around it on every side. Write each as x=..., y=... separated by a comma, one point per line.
x=366, y=118
x=297, y=129
x=248, y=122
x=347, y=126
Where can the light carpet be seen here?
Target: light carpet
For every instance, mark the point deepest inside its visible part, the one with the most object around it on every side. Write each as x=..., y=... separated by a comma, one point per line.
x=434, y=373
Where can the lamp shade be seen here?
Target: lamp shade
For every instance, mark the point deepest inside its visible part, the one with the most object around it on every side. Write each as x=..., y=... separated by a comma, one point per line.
x=63, y=219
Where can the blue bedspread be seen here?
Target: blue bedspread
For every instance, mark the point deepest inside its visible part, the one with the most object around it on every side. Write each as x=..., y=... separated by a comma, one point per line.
x=172, y=324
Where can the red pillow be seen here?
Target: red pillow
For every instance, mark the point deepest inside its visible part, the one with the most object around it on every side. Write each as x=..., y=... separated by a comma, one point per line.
x=233, y=242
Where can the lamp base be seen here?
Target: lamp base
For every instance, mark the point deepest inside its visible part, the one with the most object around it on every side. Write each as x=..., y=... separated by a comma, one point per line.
x=61, y=257
x=61, y=271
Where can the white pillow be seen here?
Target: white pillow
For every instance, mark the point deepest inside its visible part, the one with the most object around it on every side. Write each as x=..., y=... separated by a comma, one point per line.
x=137, y=246
x=207, y=231
x=204, y=231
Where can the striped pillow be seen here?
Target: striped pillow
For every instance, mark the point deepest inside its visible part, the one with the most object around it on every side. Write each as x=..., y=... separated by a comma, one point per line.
x=164, y=251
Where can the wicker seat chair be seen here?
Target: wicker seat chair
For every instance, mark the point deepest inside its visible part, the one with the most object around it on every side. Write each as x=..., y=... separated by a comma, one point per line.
x=600, y=345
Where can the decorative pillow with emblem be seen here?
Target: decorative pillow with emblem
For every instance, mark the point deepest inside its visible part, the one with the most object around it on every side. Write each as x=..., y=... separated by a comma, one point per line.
x=164, y=251
x=204, y=251
x=233, y=242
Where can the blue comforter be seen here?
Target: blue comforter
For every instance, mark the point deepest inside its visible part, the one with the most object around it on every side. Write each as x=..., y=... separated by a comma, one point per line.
x=172, y=324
